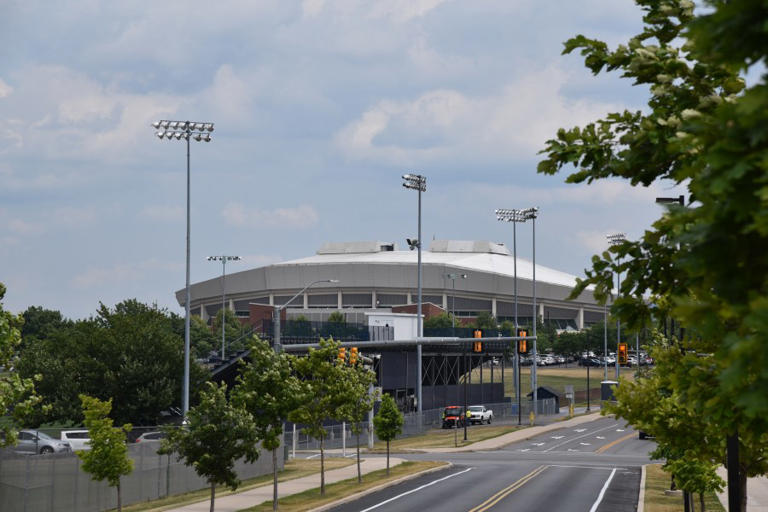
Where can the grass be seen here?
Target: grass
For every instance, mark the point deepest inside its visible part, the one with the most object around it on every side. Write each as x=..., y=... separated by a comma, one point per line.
x=295, y=468
x=445, y=438
x=556, y=377
x=657, y=481
x=310, y=499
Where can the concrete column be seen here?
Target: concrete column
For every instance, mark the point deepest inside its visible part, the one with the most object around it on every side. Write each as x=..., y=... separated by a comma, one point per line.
x=580, y=319
x=373, y=299
x=493, y=307
x=272, y=299
x=445, y=301
x=541, y=311
x=409, y=299
x=231, y=305
x=203, y=313
x=306, y=300
x=339, y=302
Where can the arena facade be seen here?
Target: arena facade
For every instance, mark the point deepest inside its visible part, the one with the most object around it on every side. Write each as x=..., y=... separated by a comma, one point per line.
x=377, y=276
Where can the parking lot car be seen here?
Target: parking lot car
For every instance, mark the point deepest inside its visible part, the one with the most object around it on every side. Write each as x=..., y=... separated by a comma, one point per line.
x=453, y=416
x=151, y=436
x=77, y=439
x=590, y=361
x=479, y=414
x=34, y=442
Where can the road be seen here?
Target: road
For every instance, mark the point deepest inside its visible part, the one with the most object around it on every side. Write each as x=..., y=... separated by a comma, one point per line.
x=591, y=468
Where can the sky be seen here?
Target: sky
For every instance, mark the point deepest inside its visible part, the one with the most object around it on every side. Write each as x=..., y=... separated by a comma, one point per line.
x=319, y=107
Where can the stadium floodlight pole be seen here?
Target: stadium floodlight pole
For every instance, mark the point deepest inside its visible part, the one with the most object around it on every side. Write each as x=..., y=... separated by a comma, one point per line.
x=223, y=259
x=419, y=183
x=453, y=278
x=278, y=309
x=617, y=239
x=200, y=132
x=514, y=216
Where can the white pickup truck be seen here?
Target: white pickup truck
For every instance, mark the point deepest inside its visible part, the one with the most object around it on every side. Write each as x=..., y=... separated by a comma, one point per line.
x=479, y=414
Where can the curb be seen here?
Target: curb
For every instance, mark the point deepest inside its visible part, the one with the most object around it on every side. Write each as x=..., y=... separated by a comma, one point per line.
x=641, y=494
x=358, y=495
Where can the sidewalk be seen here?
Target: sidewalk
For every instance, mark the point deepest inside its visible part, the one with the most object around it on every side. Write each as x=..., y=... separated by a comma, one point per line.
x=519, y=435
x=258, y=495
x=757, y=492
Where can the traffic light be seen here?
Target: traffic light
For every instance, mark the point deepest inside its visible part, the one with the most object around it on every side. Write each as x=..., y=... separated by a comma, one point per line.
x=342, y=355
x=353, y=355
x=522, y=345
x=477, y=346
x=622, y=353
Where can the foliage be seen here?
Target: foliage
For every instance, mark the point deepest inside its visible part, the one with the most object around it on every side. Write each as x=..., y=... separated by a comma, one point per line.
x=323, y=387
x=388, y=422
x=268, y=390
x=486, y=322
x=217, y=434
x=692, y=475
x=17, y=394
x=202, y=339
x=358, y=401
x=108, y=457
x=40, y=323
x=441, y=321
x=130, y=354
x=336, y=317
x=235, y=334
x=704, y=264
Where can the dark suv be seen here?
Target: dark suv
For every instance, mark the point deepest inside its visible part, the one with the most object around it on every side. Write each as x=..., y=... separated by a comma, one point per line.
x=454, y=417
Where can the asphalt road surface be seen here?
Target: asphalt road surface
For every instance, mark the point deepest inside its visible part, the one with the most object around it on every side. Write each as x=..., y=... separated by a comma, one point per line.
x=594, y=467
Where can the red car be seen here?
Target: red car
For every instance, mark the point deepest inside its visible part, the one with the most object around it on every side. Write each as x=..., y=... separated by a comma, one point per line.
x=454, y=417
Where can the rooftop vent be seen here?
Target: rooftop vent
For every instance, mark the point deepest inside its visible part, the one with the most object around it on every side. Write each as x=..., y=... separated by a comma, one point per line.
x=468, y=246
x=356, y=247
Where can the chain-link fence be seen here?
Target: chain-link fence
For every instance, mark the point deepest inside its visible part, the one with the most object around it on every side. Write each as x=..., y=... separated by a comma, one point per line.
x=56, y=482
x=341, y=435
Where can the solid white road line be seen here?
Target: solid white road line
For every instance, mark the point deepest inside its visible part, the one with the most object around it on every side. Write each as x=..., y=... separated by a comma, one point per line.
x=602, y=492
x=415, y=490
x=577, y=437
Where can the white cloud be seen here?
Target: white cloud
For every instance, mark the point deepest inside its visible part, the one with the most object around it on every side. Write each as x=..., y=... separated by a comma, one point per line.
x=5, y=89
x=303, y=216
x=448, y=124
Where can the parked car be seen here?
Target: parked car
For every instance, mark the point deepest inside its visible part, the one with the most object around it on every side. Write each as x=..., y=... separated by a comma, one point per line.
x=590, y=361
x=77, y=439
x=151, y=436
x=34, y=442
x=479, y=414
x=453, y=416
x=549, y=360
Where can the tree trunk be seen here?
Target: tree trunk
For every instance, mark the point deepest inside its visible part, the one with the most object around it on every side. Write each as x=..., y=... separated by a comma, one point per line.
x=701, y=502
x=359, y=475
x=119, y=501
x=387, y=457
x=743, y=487
x=274, y=479
x=213, y=494
x=322, y=466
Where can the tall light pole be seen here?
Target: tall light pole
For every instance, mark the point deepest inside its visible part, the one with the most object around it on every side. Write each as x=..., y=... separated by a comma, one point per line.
x=419, y=183
x=223, y=259
x=453, y=278
x=514, y=216
x=200, y=132
x=617, y=239
x=278, y=347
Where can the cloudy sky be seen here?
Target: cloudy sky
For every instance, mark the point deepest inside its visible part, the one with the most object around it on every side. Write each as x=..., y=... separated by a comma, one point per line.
x=319, y=106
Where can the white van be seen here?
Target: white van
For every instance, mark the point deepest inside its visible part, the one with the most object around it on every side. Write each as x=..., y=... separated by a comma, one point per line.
x=78, y=439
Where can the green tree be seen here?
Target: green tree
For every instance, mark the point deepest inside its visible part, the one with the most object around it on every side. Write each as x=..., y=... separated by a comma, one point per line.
x=236, y=335
x=388, y=422
x=441, y=321
x=702, y=265
x=202, y=340
x=130, y=354
x=108, y=457
x=216, y=435
x=323, y=386
x=486, y=322
x=17, y=394
x=39, y=323
x=336, y=317
x=358, y=401
x=267, y=388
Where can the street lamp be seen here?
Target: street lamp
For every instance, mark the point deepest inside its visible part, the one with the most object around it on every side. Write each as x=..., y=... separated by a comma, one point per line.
x=419, y=183
x=453, y=278
x=200, y=132
x=279, y=309
x=514, y=216
x=223, y=259
x=617, y=239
